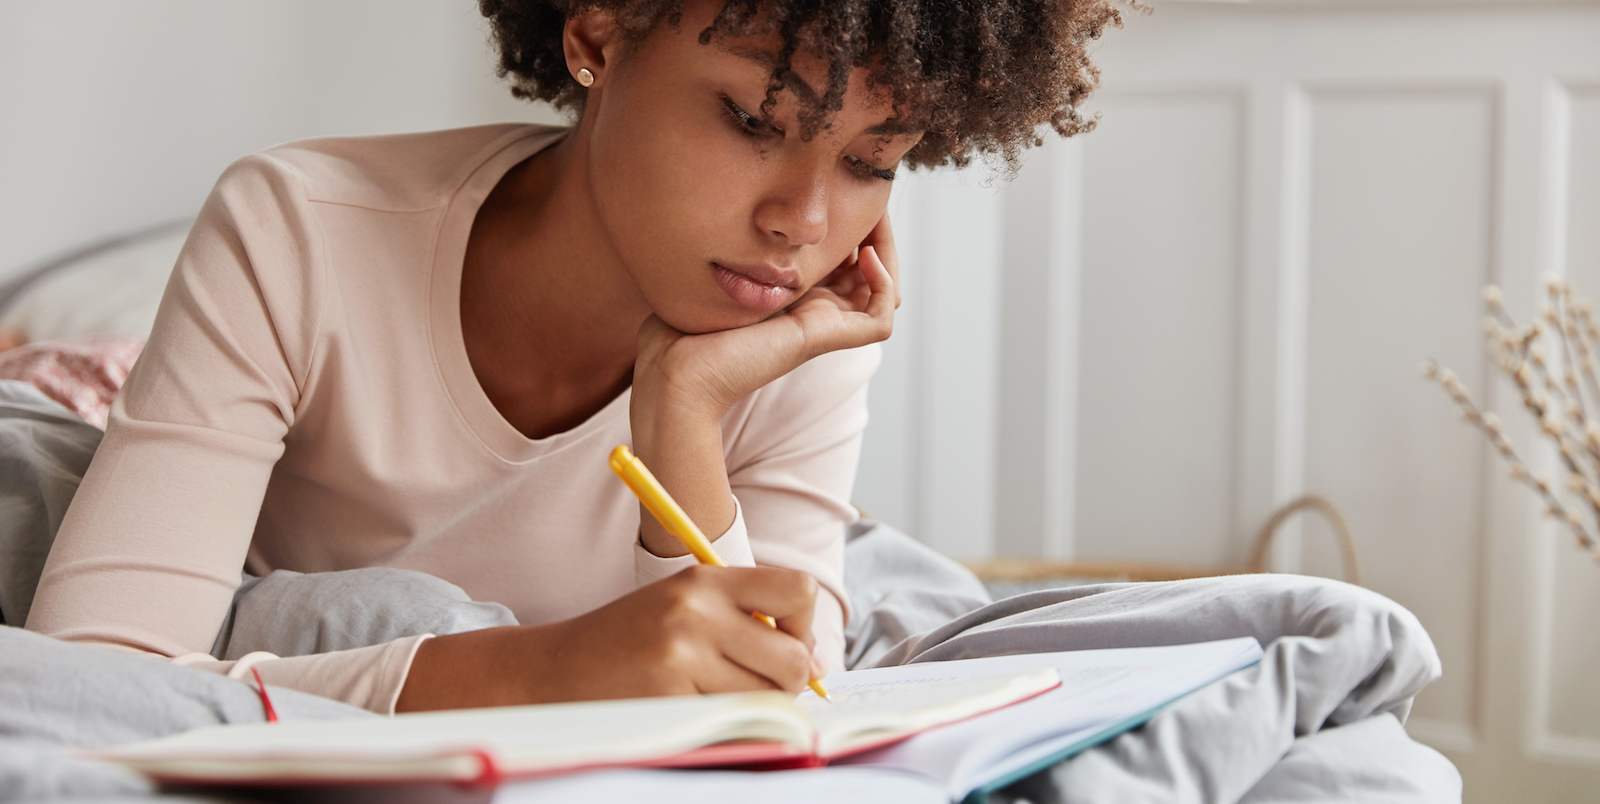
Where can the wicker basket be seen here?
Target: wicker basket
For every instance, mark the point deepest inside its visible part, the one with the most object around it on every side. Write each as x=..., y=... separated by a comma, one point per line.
x=1012, y=575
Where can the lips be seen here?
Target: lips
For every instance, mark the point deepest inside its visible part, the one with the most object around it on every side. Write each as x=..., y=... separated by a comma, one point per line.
x=764, y=288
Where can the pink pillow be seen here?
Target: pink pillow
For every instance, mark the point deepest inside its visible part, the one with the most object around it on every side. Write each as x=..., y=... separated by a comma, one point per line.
x=84, y=374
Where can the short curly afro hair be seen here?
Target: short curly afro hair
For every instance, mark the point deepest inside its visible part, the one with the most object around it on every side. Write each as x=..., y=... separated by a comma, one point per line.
x=978, y=77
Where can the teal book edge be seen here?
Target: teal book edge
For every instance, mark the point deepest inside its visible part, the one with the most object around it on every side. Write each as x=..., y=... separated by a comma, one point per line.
x=980, y=794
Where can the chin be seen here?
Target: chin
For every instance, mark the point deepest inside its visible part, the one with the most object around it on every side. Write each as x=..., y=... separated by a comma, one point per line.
x=703, y=324
x=703, y=319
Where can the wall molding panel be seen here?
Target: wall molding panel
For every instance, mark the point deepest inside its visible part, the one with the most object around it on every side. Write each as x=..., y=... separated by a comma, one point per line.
x=1404, y=191
x=1294, y=308
x=1565, y=721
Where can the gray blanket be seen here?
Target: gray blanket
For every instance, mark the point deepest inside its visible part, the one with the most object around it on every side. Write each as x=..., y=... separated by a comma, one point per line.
x=1319, y=719
x=44, y=450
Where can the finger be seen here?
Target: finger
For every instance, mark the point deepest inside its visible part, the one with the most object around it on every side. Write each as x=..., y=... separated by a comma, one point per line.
x=727, y=673
x=885, y=296
x=695, y=660
x=787, y=596
x=777, y=658
x=846, y=273
x=654, y=335
x=881, y=238
x=809, y=639
x=861, y=293
x=845, y=282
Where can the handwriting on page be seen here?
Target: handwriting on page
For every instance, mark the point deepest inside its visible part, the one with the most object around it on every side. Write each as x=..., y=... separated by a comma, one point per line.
x=874, y=690
x=1096, y=675
x=855, y=693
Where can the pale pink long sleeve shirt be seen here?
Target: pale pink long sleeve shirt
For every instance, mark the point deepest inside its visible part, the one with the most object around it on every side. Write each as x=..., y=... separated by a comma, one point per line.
x=305, y=402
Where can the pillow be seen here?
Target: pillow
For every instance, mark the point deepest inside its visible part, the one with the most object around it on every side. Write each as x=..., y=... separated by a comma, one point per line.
x=112, y=288
x=83, y=374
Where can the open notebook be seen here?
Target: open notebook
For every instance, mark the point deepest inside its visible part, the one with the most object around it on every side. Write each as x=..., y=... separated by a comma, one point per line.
x=1102, y=694
x=972, y=725
x=489, y=745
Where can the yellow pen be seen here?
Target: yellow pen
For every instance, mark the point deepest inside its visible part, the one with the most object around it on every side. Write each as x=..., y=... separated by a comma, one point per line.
x=667, y=511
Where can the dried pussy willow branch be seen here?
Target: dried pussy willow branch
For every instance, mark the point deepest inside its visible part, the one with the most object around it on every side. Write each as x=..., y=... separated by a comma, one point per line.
x=1561, y=391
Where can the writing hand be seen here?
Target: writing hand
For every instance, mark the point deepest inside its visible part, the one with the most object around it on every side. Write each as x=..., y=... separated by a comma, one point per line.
x=690, y=633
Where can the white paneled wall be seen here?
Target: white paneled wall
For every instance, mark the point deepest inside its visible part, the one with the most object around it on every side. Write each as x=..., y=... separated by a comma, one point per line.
x=1160, y=363
x=1219, y=300
x=954, y=226
x=114, y=116
x=1401, y=225
x=972, y=436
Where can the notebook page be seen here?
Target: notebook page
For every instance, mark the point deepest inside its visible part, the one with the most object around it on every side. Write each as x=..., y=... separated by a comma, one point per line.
x=872, y=710
x=525, y=739
x=1098, y=688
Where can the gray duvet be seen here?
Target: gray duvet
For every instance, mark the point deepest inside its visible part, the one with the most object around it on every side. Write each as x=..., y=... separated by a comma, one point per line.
x=1319, y=719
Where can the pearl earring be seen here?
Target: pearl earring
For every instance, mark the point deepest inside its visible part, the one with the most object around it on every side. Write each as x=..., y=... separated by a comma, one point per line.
x=585, y=77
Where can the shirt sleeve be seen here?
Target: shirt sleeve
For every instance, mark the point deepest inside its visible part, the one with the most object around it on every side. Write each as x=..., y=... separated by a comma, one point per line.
x=733, y=546
x=149, y=553
x=792, y=450
x=370, y=677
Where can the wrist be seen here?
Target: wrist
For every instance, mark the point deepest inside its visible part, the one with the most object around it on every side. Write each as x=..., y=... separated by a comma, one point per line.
x=664, y=416
x=680, y=440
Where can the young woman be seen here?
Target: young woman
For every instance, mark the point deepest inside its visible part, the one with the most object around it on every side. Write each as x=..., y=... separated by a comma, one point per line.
x=416, y=351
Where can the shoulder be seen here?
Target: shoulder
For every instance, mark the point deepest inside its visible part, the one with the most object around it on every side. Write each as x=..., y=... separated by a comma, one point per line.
x=393, y=172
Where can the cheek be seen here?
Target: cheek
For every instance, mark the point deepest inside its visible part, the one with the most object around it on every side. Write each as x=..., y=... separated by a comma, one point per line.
x=666, y=191
x=851, y=216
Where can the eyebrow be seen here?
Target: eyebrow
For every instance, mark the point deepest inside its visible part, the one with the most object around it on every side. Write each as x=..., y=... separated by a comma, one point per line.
x=891, y=127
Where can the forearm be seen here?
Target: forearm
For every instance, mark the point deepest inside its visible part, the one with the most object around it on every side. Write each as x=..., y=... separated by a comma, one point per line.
x=681, y=441
x=475, y=668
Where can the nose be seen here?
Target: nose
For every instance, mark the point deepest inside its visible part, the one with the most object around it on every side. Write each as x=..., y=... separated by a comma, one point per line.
x=796, y=207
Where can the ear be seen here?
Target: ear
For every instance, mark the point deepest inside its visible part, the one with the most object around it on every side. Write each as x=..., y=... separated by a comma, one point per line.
x=591, y=41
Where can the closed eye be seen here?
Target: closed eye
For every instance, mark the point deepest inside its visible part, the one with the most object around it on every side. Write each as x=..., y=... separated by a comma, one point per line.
x=748, y=123
x=754, y=127
x=866, y=169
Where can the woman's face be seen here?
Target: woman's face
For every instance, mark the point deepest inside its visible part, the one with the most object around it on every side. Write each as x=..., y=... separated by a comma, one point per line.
x=721, y=219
